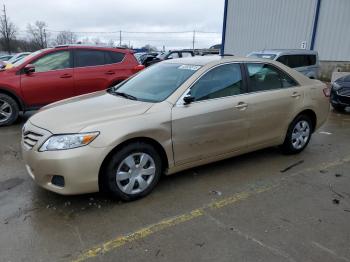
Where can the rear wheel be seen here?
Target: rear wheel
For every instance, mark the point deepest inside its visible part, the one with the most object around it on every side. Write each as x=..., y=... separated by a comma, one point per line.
x=9, y=110
x=132, y=172
x=298, y=135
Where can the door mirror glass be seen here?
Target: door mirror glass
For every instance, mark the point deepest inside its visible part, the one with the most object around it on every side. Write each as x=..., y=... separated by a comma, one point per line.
x=29, y=69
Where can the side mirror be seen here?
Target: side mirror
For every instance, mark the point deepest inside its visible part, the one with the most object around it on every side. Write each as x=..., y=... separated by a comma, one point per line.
x=188, y=99
x=29, y=69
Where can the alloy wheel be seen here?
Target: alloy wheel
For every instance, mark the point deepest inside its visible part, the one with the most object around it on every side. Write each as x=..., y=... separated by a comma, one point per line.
x=301, y=134
x=5, y=111
x=135, y=173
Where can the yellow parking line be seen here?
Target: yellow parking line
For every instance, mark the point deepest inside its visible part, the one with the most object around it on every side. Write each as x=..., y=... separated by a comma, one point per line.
x=170, y=222
x=167, y=223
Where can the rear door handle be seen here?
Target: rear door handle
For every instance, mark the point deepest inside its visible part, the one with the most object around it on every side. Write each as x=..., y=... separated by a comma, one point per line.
x=110, y=72
x=66, y=76
x=295, y=95
x=241, y=105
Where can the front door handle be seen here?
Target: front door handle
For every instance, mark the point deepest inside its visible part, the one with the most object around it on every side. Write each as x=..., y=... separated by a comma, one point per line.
x=295, y=95
x=110, y=72
x=241, y=106
x=66, y=76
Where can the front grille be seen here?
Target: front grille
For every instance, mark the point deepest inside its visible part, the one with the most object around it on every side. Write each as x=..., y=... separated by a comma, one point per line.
x=344, y=92
x=30, y=138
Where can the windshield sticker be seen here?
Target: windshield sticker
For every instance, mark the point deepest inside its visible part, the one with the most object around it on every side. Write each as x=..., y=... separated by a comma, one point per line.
x=189, y=67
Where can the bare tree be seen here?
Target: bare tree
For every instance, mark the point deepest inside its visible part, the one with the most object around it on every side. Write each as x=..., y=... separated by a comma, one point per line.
x=111, y=43
x=7, y=32
x=66, y=37
x=38, y=34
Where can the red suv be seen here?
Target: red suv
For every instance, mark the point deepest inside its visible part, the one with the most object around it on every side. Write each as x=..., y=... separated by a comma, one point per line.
x=61, y=72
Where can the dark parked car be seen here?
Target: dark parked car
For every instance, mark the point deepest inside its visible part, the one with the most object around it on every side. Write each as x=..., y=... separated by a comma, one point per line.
x=340, y=93
x=147, y=58
x=170, y=55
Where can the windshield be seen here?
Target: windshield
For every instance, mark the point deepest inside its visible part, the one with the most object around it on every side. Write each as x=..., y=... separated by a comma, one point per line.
x=21, y=61
x=138, y=56
x=265, y=56
x=17, y=58
x=155, y=83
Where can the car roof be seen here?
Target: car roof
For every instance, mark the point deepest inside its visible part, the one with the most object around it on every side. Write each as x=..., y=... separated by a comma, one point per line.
x=214, y=59
x=210, y=61
x=106, y=48
x=286, y=51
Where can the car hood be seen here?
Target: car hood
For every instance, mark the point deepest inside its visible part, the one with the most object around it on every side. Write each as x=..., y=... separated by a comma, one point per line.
x=74, y=114
x=344, y=81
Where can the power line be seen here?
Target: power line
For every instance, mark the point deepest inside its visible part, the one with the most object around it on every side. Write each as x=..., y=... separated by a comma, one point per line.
x=127, y=32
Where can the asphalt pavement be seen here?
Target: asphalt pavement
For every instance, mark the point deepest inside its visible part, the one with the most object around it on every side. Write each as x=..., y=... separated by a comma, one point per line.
x=262, y=206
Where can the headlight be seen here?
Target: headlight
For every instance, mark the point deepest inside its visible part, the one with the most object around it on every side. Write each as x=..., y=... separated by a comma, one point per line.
x=68, y=141
x=336, y=86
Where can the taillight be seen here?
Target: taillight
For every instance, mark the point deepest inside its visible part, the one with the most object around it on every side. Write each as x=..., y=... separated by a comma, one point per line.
x=139, y=67
x=327, y=91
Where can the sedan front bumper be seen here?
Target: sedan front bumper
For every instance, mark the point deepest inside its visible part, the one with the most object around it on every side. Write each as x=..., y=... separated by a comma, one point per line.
x=79, y=167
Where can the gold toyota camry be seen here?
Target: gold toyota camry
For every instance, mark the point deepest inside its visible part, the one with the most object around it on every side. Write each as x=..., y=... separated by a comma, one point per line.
x=175, y=115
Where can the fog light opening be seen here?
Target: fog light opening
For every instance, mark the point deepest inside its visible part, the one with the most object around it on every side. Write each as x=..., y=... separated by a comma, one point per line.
x=57, y=180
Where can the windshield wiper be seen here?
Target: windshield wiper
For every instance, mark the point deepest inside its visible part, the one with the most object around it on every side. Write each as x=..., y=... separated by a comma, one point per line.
x=125, y=95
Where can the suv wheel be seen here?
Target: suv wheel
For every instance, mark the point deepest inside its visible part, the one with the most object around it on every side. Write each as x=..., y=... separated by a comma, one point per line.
x=298, y=135
x=132, y=172
x=9, y=110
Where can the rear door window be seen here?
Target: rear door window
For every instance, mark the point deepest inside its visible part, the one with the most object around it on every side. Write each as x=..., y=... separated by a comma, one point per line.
x=295, y=61
x=113, y=57
x=173, y=55
x=84, y=58
x=312, y=59
x=263, y=77
x=186, y=54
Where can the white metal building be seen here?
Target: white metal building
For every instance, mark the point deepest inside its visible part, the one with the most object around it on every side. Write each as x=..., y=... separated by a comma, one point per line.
x=322, y=25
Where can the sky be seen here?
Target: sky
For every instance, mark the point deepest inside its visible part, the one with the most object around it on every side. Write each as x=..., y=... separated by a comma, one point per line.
x=91, y=17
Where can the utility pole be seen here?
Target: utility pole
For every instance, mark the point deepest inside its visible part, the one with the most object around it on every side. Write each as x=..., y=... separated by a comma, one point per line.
x=120, y=38
x=7, y=37
x=193, y=39
x=45, y=39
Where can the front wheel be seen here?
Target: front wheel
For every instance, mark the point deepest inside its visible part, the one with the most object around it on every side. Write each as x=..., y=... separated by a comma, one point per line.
x=298, y=135
x=9, y=110
x=132, y=172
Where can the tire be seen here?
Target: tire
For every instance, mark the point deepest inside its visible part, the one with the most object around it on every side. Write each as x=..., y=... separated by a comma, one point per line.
x=298, y=135
x=338, y=108
x=9, y=110
x=124, y=178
